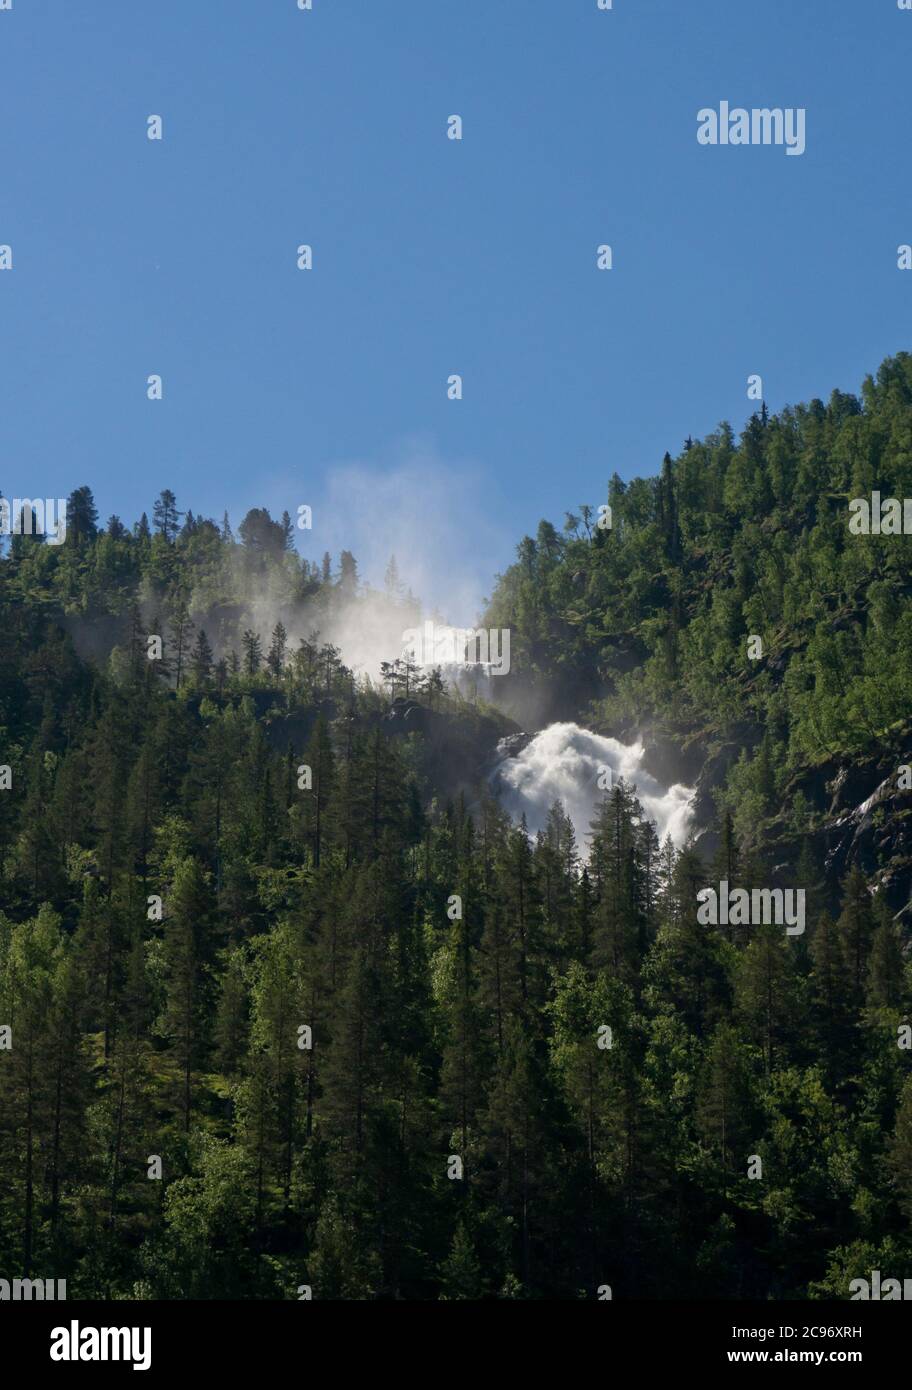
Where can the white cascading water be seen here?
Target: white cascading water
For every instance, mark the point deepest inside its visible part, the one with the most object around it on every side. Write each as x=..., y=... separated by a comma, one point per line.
x=562, y=763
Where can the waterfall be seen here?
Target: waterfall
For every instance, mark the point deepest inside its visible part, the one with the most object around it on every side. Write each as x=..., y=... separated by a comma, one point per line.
x=563, y=763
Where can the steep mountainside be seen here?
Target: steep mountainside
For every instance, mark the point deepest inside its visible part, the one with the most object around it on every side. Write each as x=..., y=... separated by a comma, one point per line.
x=650, y=626
x=286, y=998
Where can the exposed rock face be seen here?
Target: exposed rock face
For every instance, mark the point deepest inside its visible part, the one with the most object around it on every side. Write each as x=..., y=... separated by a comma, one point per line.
x=862, y=816
x=875, y=832
x=513, y=745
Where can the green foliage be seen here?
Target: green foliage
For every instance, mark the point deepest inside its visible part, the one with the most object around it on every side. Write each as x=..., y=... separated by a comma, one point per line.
x=253, y=978
x=737, y=539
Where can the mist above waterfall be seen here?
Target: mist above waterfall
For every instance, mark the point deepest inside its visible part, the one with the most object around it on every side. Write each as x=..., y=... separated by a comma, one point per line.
x=562, y=763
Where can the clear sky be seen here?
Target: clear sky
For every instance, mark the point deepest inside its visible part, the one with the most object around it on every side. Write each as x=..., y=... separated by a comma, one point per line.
x=431, y=256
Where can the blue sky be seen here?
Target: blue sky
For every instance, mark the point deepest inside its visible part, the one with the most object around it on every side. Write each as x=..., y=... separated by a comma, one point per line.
x=431, y=256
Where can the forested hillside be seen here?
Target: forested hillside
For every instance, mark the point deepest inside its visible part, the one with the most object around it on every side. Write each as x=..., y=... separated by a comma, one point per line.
x=286, y=1000
x=646, y=625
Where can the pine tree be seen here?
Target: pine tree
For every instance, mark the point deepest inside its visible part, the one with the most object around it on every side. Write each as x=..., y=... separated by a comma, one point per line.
x=855, y=929
x=831, y=997
x=343, y=1264
x=460, y=1273
x=181, y=629
x=186, y=977
x=726, y=866
x=126, y=1113
x=686, y=969
x=230, y=1032
x=348, y=574
x=253, y=652
x=165, y=515
x=885, y=984
x=275, y=658
x=69, y=1081
x=514, y=1126
x=725, y=1101
x=276, y=1061
x=463, y=1069
x=351, y=1071
x=201, y=658
x=767, y=991
x=321, y=760
x=617, y=868
x=82, y=516
x=521, y=907
x=99, y=938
